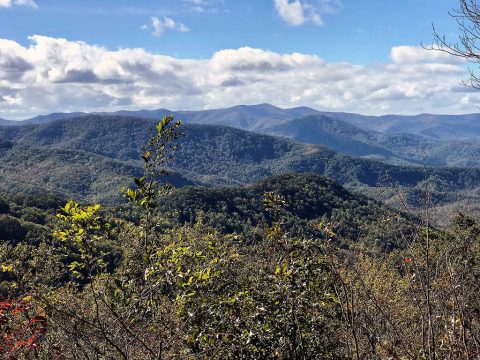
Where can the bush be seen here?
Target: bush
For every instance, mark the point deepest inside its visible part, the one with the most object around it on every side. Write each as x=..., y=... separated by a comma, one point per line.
x=11, y=228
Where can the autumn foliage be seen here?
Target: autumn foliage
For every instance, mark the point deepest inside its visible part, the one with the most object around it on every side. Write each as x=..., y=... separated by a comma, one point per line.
x=21, y=328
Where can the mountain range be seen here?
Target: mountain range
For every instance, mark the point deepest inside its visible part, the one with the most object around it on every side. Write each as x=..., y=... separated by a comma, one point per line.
x=432, y=140
x=93, y=156
x=256, y=117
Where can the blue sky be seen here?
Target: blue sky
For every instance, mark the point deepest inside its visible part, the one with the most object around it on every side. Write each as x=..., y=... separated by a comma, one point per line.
x=357, y=31
x=215, y=53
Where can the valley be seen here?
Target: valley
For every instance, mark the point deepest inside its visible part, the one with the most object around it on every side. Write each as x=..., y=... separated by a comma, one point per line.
x=92, y=156
x=307, y=205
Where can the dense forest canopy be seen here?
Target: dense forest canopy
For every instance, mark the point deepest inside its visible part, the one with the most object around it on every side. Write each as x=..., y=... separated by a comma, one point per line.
x=89, y=158
x=290, y=266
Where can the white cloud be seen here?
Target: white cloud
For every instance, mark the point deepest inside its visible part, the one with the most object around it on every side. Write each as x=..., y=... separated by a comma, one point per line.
x=414, y=55
x=204, y=6
x=291, y=12
x=298, y=12
x=26, y=3
x=54, y=74
x=158, y=26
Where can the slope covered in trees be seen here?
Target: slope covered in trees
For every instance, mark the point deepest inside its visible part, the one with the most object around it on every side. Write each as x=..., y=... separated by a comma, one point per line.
x=309, y=199
x=208, y=154
x=395, y=148
x=69, y=173
x=425, y=139
x=93, y=151
x=292, y=266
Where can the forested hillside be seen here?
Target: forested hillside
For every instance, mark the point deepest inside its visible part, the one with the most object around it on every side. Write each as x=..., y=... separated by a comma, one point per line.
x=28, y=218
x=394, y=148
x=333, y=133
x=92, y=157
x=255, y=271
x=432, y=140
x=68, y=173
x=436, y=126
x=309, y=198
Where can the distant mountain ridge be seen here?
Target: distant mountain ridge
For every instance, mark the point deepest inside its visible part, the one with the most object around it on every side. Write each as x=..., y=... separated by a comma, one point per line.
x=445, y=127
x=257, y=117
x=331, y=132
x=246, y=117
x=396, y=149
x=4, y=122
x=433, y=140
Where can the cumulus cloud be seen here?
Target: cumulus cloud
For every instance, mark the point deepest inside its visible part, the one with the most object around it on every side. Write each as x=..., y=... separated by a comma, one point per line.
x=298, y=12
x=158, y=26
x=292, y=13
x=413, y=54
x=10, y=3
x=53, y=74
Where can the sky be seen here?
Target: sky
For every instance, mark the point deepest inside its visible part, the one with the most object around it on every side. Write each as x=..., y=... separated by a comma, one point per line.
x=362, y=56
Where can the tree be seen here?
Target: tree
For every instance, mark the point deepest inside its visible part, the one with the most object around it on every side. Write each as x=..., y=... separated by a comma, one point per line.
x=115, y=308
x=467, y=17
x=4, y=207
x=149, y=188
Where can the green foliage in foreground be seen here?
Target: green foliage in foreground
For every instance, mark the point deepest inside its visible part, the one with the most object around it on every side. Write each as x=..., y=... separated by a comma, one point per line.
x=174, y=277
